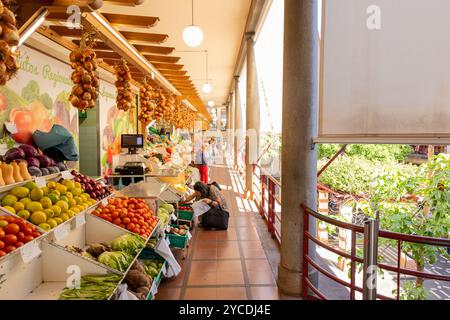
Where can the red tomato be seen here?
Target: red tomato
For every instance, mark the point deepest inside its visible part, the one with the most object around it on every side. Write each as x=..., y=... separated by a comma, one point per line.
x=130, y=227
x=10, y=239
x=104, y=216
x=36, y=234
x=109, y=219
x=27, y=231
x=123, y=214
x=141, y=222
x=19, y=244
x=9, y=219
x=20, y=236
x=126, y=221
x=131, y=206
x=123, y=226
x=27, y=238
x=130, y=215
x=117, y=221
x=2, y=233
x=136, y=230
x=2, y=253
x=114, y=214
x=8, y=249
x=2, y=244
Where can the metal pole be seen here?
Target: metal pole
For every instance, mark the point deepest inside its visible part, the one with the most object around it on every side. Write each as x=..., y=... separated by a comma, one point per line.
x=371, y=227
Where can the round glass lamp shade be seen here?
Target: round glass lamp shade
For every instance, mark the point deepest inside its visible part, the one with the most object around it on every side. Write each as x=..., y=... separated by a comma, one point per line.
x=193, y=36
x=207, y=88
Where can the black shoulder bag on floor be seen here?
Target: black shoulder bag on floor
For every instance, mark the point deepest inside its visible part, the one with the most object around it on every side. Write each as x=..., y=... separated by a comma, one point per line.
x=216, y=218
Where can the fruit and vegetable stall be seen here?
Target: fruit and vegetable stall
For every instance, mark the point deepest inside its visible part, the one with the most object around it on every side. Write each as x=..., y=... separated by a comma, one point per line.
x=52, y=230
x=66, y=233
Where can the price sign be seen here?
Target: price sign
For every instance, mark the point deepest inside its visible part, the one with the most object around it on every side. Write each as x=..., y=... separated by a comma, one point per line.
x=62, y=231
x=105, y=202
x=168, y=229
x=30, y=251
x=80, y=219
x=40, y=182
x=67, y=175
x=174, y=217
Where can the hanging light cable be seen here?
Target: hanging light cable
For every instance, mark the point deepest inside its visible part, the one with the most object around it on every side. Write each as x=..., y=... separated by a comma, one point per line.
x=207, y=88
x=193, y=35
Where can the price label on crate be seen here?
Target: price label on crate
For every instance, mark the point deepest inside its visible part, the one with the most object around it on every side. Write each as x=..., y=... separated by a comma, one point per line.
x=40, y=182
x=174, y=217
x=80, y=219
x=105, y=202
x=67, y=175
x=30, y=251
x=61, y=232
x=189, y=235
x=168, y=229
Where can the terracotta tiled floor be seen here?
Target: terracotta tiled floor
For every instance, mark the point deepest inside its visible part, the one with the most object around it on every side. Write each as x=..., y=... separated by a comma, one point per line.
x=225, y=265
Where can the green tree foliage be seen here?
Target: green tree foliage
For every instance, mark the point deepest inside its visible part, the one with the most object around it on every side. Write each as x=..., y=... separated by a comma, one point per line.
x=378, y=152
x=429, y=217
x=354, y=174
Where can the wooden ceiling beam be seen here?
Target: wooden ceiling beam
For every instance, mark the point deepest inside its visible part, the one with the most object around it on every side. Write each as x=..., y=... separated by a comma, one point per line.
x=134, y=37
x=168, y=66
x=66, y=32
x=131, y=21
x=118, y=20
x=148, y=49
x=164, y=59
x=128, y=3
x=174, y=73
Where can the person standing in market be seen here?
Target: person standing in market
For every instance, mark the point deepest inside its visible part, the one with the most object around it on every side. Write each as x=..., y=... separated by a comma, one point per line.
x=201, y=160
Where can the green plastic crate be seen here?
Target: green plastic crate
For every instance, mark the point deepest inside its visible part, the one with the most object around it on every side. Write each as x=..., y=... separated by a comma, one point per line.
x=185, y=215
x=178, y=241
x=150, y=254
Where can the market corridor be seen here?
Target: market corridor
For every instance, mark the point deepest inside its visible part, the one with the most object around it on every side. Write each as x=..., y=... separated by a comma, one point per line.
x=232, y=264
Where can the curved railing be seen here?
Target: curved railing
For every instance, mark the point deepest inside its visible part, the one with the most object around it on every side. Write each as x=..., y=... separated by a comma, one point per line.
x=310, y=291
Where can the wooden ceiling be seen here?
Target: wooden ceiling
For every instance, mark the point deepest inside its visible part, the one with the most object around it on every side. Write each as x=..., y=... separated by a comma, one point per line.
x=148, y=44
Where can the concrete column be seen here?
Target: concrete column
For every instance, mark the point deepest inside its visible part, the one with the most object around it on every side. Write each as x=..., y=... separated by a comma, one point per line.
x=219, y=119
x=299, y=155
x=252, y=117
x=230, y=137
x=237, y=120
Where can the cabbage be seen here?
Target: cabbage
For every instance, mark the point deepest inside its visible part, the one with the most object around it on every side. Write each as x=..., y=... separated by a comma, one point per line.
x=118, y=260
x=168, y=207
x=130, y=243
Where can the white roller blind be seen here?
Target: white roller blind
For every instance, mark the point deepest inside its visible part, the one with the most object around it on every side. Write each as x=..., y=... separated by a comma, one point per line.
x=390, y=84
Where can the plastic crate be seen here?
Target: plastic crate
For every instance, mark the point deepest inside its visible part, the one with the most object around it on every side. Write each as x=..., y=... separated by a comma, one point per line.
x=178, y=241
x=150, y=254
x=185, y=215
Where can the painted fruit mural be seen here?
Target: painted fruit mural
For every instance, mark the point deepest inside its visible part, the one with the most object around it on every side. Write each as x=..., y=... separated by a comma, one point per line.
x=38, y=97
x=113, y=123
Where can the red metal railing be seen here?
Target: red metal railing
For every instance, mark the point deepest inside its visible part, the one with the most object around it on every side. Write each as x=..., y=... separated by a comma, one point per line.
x=308, y=260
x=268, y=199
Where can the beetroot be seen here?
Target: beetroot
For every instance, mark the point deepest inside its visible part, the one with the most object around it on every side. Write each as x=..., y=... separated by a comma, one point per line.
x=44, y=161
x=33, y=162
x=30, y=151
x=14, y=154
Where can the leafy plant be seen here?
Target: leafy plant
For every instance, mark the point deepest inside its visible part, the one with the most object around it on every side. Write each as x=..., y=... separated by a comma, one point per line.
x=379, y=152
x=430, y=217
